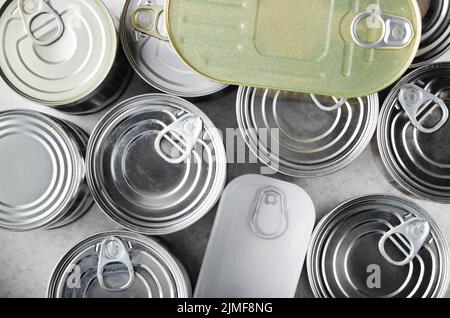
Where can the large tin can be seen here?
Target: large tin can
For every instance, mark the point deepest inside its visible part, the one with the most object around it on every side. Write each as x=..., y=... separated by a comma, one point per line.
x=119, y=264
x=413, y=133
x=156, y=164
x=64, y=54
x=378, y=246
x=42, y=172
x=300, y=135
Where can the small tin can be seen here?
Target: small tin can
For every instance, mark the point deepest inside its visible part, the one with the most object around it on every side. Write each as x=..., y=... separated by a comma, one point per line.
x=156, y=164
x=149, y=51
x=378, y=247
x=414, y=133
x=42, y=172
x=64, y=54
x=304, y=135
x=119, y=264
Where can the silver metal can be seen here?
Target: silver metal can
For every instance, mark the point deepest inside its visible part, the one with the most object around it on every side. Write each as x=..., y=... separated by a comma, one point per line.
x=156, y=164
x=42, y=172
x=414, y=133
x=64, y=54
x=378, y=247
x=119, y=264
x=145, y=42
x=297, y=135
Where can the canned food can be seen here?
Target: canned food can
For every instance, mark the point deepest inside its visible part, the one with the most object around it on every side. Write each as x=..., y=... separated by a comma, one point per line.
x=435, y=39
x=144, y=39
x=119, y=264
x=64, y=54
x=156, y=164
x=414, y=133
x=42, y=172
x=378, y=247
x=304, y=135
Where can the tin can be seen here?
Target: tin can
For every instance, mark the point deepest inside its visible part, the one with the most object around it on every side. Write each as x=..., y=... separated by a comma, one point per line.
x=156, y=164
x=148, y=49
x=378, y=246
x=413, y=133
x=304, y=135
x=42, y=172
x=435, y=39
x=119, y=264
x=63, y=54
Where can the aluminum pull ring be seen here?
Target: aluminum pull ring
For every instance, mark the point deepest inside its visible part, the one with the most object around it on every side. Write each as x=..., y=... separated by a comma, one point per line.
x=396, y=32
x=321, y=106
x=113, y=251
x=142, y=22
x=415, y=230
x=270, y=205
x=187, y=130
x=412, y=98
x=30, y=10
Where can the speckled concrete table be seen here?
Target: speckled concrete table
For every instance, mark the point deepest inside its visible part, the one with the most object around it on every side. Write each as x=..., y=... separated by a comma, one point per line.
x=27, y=259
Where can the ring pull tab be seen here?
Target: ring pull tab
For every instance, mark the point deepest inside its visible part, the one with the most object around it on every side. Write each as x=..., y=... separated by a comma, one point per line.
x=412, y=98
x=146, y=20
x=269, y=219
x=396, y=32
x=30, y=10
x=415, y=230
x=113, y=251
x=187, y=130
x=321, y=106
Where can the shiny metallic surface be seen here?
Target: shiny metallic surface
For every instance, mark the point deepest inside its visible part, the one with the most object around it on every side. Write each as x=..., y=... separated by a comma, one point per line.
x=42, y=172
x=157, y=274
x=344, y=251
x=135, y=185
x=417, y=161
x=157, y=62
x=312, y=142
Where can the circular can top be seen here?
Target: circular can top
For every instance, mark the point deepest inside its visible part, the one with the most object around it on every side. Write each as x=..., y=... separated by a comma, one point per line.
x=298, y=135
x=413, y=138
x=56, y=52
x=378, y=247
x=119, y=264
x=156, y=164
x=41, y=170
x=152, y=55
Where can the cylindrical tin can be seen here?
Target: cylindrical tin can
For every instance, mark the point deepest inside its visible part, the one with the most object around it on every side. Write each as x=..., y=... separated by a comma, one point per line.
x=435, y=39
x=64, y=54
x=42, y=172
x=156, y=164
x=378, y=246
x=414, y=133
x=119, y=264
x=297, y=135
x=144, y=39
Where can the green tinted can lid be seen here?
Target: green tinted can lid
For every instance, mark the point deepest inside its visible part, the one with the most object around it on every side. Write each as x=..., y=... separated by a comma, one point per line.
x=342, y=48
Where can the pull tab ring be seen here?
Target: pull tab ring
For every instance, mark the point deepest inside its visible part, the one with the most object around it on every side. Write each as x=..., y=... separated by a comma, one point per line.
x=31, y=9
x=412, y=98
x=142, y=25
x=321, y=106
x=113, y=251
x=415, y=230
x=187, y=129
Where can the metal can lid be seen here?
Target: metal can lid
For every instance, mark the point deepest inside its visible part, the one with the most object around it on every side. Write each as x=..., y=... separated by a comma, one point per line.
x=154, y=59
x=41, y=170
x=414, y=141
x=56, y=53
x=119, y=264
x=353, y=250
x=298, y=135
x=147, y=172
